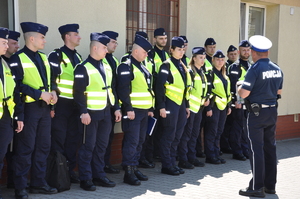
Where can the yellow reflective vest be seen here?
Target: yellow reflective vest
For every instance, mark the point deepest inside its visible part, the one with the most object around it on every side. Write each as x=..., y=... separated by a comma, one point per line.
x=158, y=62
x=98, y=91
x=222, y=97
x=7, y=87
x=66, y=77
x=32, y=76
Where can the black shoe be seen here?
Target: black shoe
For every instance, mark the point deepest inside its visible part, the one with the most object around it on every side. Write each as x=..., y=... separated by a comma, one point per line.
x=226, y=150
x=170, y=171
x=44, y=189
x=252, y=193
x=239, y=157
x=104, y=182
x=74, y=178
x=110, y=169
x=222, y=160
x=201, y=155
x=212, y=160
x=181, y=171
x=146, y=164
x=139, y=174
x=246, y=155
x=270, y=191
x=185, y=165
x=130, y=177
x=21, y=194
x=87, y=185
x=197, y=163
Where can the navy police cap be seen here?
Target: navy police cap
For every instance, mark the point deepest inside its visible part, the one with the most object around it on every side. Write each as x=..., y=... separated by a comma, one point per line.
x=184, y=38
x=244, y=43
x=68, y=28
x=100, y=37
x=177, y=42
x=198, y=51
x=111, y=34
x=4, y=33
x=34, y=27
x=14, y=35
x=210, y=41
x=260, y=43
x=219, y=54
x=159, y=32
x=143, y=42
x=142, y=33
x=231, y=48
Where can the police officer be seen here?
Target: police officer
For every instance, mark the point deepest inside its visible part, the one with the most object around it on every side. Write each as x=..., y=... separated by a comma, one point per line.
x=217, y=110
x=65, y=121
x=172, y=87
x=261, y=89
x=94, y=92
x=13, y=45
x=8, y=100
x=236, y=72
x=113, y=62
x=198, y=99
x=232, y=54
x=135, y=92
x=32, y=71
x=210, y=49
x=185, y=59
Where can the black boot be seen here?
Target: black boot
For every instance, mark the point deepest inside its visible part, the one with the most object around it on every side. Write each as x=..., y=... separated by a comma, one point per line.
x=139, y=174
x=130, y=177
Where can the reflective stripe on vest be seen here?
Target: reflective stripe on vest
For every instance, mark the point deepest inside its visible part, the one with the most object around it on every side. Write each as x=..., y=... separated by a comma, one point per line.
x=95, y=91
x=221, y=99
x=32, y=76
x=196, y=93
x=6, y=90
x=66, y=77
x=158, y=62
x=140, y=97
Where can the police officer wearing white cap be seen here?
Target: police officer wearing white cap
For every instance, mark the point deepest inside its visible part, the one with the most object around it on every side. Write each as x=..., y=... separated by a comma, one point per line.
x=261, y=89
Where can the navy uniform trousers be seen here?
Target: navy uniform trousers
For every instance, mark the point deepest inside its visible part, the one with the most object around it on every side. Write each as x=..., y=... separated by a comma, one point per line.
x=214, y=126
x=134, y=136
x=33, y=145
x=188, y=141
x=237, y=132
x=6, y=134
x=262, y=143
x=172, y=130
x=111, y=137
x=91, y=153
x=64, y=130
x=226, y=135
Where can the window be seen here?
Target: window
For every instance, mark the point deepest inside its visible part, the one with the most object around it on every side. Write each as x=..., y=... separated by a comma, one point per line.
x=252, y=20
x=7, y=9
x=147, y=15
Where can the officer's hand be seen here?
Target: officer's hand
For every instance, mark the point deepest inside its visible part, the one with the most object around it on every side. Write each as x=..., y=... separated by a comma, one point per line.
x=54, y=97
x=187, y=110
x=85, y=118
x=130, y=115
x=237, y=105
x=52, y=113
x=20, y=126
x=118, y=116
x=47, y=97
x=151, y=114
x=228, y=111
x=163, y=113
x=206, y=103
x=209, y=113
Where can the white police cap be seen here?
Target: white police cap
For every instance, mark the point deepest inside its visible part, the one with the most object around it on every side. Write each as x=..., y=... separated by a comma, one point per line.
x=260, y=43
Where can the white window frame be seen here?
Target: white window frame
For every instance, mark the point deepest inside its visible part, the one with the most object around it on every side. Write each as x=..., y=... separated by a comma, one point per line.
x=248, y=5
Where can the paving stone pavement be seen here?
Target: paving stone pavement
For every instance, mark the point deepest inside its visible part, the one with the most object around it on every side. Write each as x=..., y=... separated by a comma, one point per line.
x=209, y=182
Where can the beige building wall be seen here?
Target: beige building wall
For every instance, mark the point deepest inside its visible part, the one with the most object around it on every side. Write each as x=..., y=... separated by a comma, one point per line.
x=91, y=15
x=200, y=19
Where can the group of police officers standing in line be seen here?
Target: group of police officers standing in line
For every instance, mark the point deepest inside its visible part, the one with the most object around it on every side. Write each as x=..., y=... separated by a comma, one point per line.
x=82, y=100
